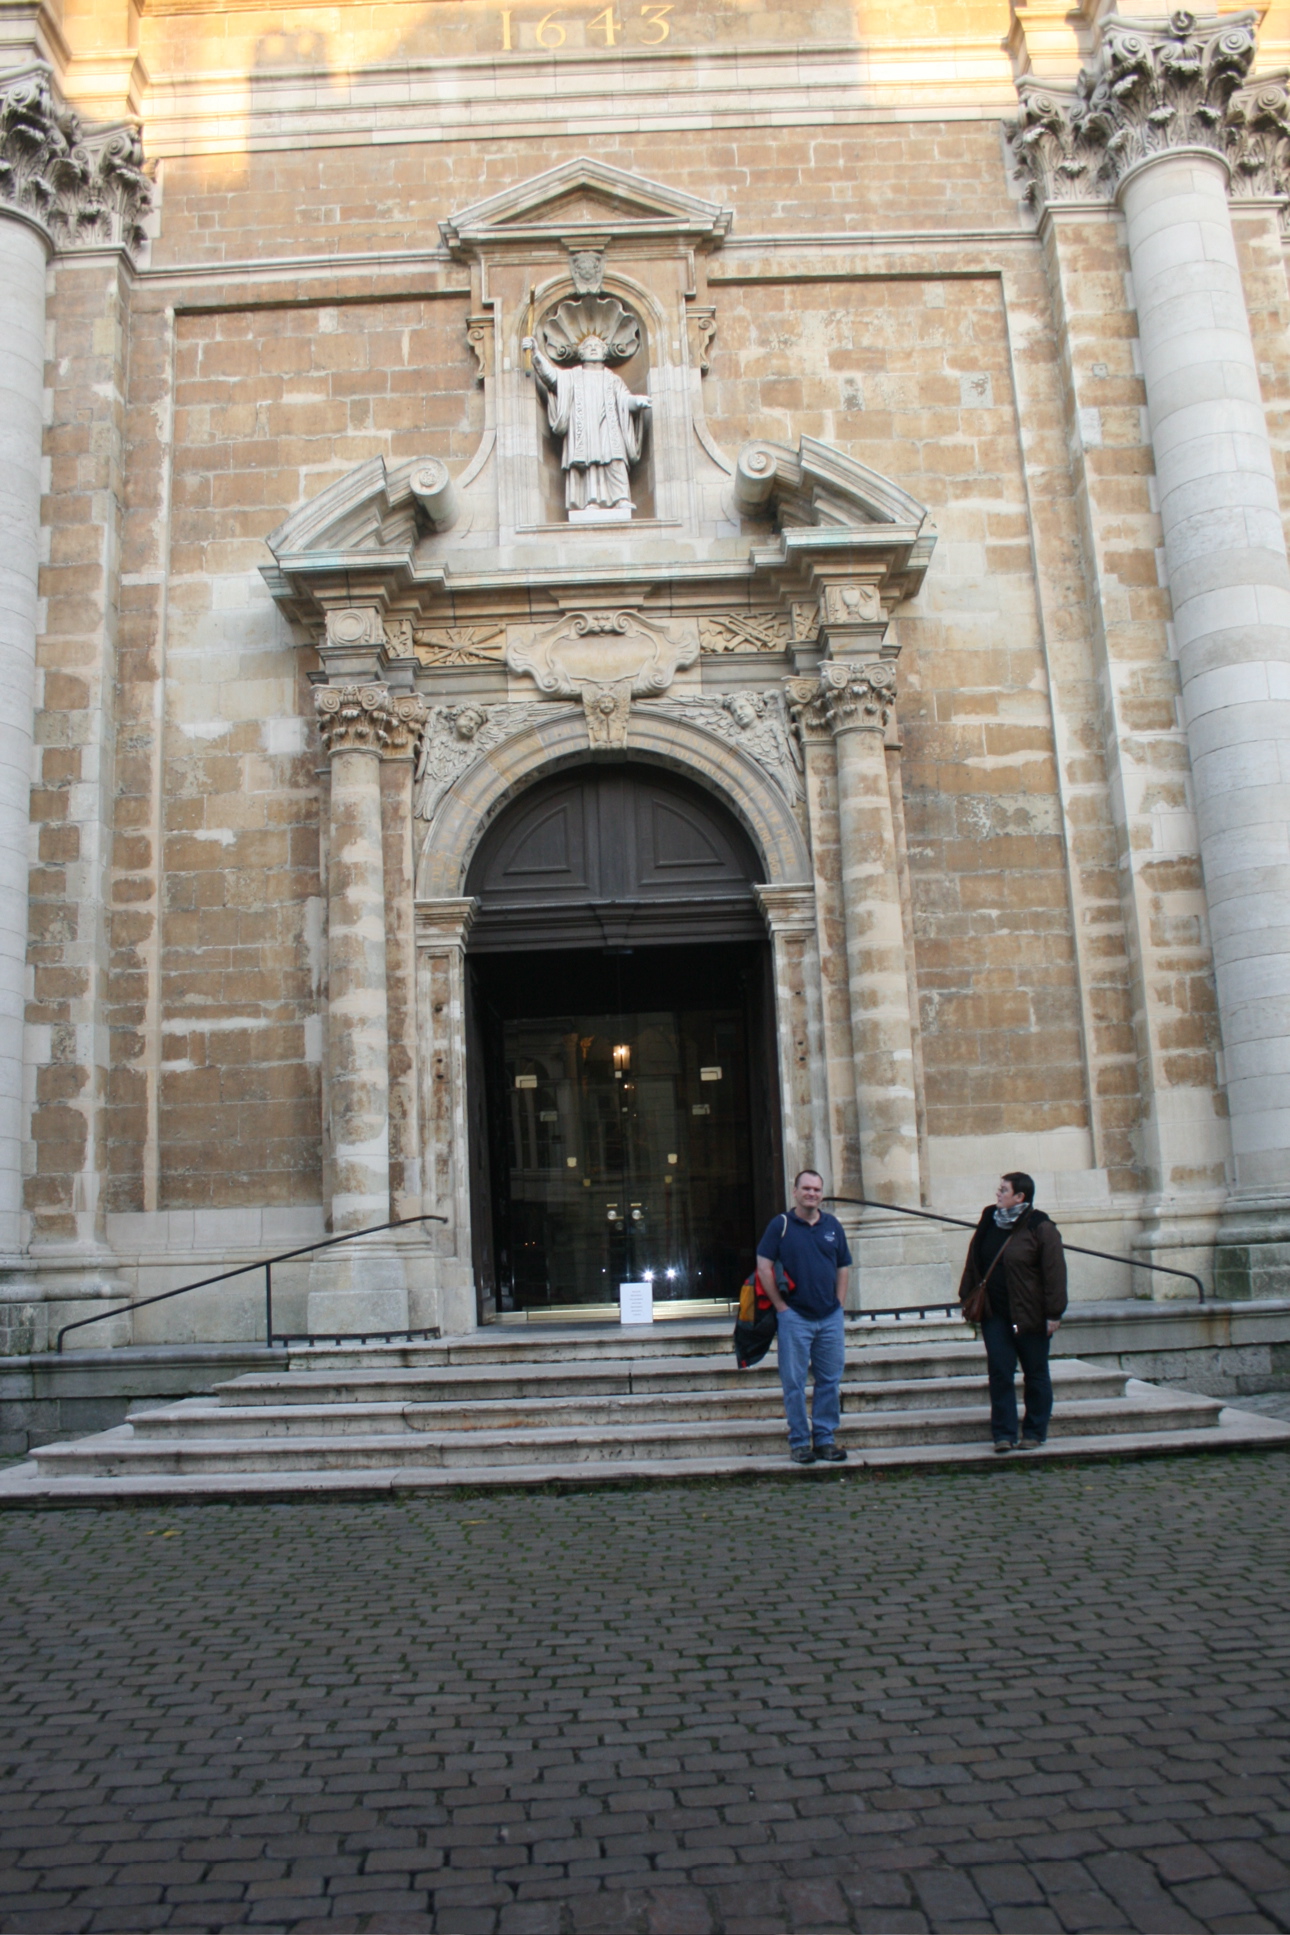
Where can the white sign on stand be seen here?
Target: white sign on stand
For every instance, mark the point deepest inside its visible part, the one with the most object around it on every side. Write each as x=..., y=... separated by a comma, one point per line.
x=636, y=1303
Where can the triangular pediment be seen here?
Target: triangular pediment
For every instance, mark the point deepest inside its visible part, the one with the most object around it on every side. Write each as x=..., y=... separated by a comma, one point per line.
x=585, y=198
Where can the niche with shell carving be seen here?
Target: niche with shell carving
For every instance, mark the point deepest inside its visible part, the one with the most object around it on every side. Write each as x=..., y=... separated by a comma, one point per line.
x=560, y=330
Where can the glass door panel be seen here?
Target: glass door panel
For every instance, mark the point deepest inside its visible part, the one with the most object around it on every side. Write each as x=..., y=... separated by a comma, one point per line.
x=628, y=1153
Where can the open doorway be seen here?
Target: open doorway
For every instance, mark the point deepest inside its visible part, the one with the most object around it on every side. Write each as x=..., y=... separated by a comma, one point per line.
x=624, y=1102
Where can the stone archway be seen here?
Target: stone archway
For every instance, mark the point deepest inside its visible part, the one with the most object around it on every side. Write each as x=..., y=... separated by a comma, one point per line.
x=554, y=742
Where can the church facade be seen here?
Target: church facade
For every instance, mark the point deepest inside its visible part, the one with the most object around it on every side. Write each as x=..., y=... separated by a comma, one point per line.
x=601, y=605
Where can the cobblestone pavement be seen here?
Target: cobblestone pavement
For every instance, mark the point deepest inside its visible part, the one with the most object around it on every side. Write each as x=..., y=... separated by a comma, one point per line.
x=1028, y=1699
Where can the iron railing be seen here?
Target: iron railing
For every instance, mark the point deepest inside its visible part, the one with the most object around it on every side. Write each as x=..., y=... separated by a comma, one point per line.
x=1077, y=1249
x=266, y=1264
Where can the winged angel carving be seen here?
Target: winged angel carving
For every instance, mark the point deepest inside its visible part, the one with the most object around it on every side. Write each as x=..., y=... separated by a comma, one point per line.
x=756, y=722
x=456, y=736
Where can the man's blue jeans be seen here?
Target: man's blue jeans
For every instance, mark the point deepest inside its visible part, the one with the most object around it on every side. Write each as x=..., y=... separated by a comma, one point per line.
x=820, y=1347
x=1002, y=1349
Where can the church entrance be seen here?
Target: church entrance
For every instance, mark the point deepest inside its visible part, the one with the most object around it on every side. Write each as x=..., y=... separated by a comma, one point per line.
x=623, y=1096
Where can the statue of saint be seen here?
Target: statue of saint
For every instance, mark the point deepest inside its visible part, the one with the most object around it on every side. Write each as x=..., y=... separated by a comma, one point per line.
x=601, y=423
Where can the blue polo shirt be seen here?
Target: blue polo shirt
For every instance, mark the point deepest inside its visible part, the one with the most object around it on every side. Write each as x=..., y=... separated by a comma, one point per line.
x=810, y=1253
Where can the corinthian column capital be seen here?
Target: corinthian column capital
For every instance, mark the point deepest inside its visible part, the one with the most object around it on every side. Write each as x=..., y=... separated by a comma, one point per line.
x=81, y=187
x=1157, y=85
x=857, y=698
x=356, y=718
x=805, y=698
x=411, y=715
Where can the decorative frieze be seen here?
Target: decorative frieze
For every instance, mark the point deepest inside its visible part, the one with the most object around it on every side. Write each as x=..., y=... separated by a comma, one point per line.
x=355, y=718
x=87, y=188
x=746, y=631
x=460, y=644
x=1158, y=85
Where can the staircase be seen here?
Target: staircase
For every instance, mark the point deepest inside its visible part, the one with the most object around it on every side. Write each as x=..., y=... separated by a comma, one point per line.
x=578, y=1406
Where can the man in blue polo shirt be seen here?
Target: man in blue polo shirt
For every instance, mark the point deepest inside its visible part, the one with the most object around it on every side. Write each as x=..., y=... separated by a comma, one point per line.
x=810, y=1247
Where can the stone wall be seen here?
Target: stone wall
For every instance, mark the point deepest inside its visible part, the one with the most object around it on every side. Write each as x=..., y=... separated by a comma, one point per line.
x=884, y=289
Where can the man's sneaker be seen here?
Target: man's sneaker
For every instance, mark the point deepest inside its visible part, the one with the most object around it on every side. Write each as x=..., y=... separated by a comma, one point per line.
x=831, y=1454
x=802, y=1455
x=1031, y=1444
x=1004, y=1444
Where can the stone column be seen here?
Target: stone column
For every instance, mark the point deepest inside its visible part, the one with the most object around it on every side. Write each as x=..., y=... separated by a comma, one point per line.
x=25, y=247
x=410, y=716
x=790, y=915
x=1160, y=124
x=358, y=1289
x=441, y=930
x=1230, y=584
x=857, y=701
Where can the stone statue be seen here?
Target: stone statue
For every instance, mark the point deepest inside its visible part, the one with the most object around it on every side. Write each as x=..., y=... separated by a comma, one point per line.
x=601, y=424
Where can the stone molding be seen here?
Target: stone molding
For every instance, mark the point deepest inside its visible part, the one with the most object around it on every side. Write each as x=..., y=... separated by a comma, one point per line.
x=444, y=924
x=83, y=188
x=1157, y=86
x=355, y=718
x=788, y=909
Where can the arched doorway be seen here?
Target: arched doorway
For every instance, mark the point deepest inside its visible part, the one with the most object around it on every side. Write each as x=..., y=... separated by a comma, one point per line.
x=623, y=1096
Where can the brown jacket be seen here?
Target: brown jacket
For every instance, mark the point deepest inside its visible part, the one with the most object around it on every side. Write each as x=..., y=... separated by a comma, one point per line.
x=1036, y=1271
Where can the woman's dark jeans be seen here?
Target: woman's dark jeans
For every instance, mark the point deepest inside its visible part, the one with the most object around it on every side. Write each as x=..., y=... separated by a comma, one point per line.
x=1003, y=1347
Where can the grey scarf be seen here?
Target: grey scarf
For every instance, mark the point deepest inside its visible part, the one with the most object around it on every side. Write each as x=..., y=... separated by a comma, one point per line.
x=1005, y=1218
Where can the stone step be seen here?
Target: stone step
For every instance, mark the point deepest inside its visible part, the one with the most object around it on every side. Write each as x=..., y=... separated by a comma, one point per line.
x=504, y=1344
x=25, y=1486
x=523, y=1377
x=199, y=1417
x=114, y=1453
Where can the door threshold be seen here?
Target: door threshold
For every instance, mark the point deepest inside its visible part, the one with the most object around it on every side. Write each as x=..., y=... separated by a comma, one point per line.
x=607, y=1313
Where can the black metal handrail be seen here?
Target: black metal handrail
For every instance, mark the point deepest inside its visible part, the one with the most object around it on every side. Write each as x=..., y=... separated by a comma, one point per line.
x=1107, y=1256
x=266, y=1264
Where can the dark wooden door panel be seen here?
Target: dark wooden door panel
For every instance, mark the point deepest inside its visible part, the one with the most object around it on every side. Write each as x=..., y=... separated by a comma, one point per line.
x=610, y=853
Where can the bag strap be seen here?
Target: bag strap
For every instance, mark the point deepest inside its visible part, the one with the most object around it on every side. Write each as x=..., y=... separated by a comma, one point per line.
x=998, y=1255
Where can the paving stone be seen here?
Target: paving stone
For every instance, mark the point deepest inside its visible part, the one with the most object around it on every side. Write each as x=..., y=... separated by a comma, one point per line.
x=540, y=1724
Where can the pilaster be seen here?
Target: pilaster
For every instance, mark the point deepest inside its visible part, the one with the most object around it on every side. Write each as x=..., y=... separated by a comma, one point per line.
x=441, y=930
x=397, y=765
x=837, y=1155
x=791, y=917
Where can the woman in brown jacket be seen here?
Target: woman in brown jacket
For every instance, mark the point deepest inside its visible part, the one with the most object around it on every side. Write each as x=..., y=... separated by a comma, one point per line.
x=1026, y=1289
